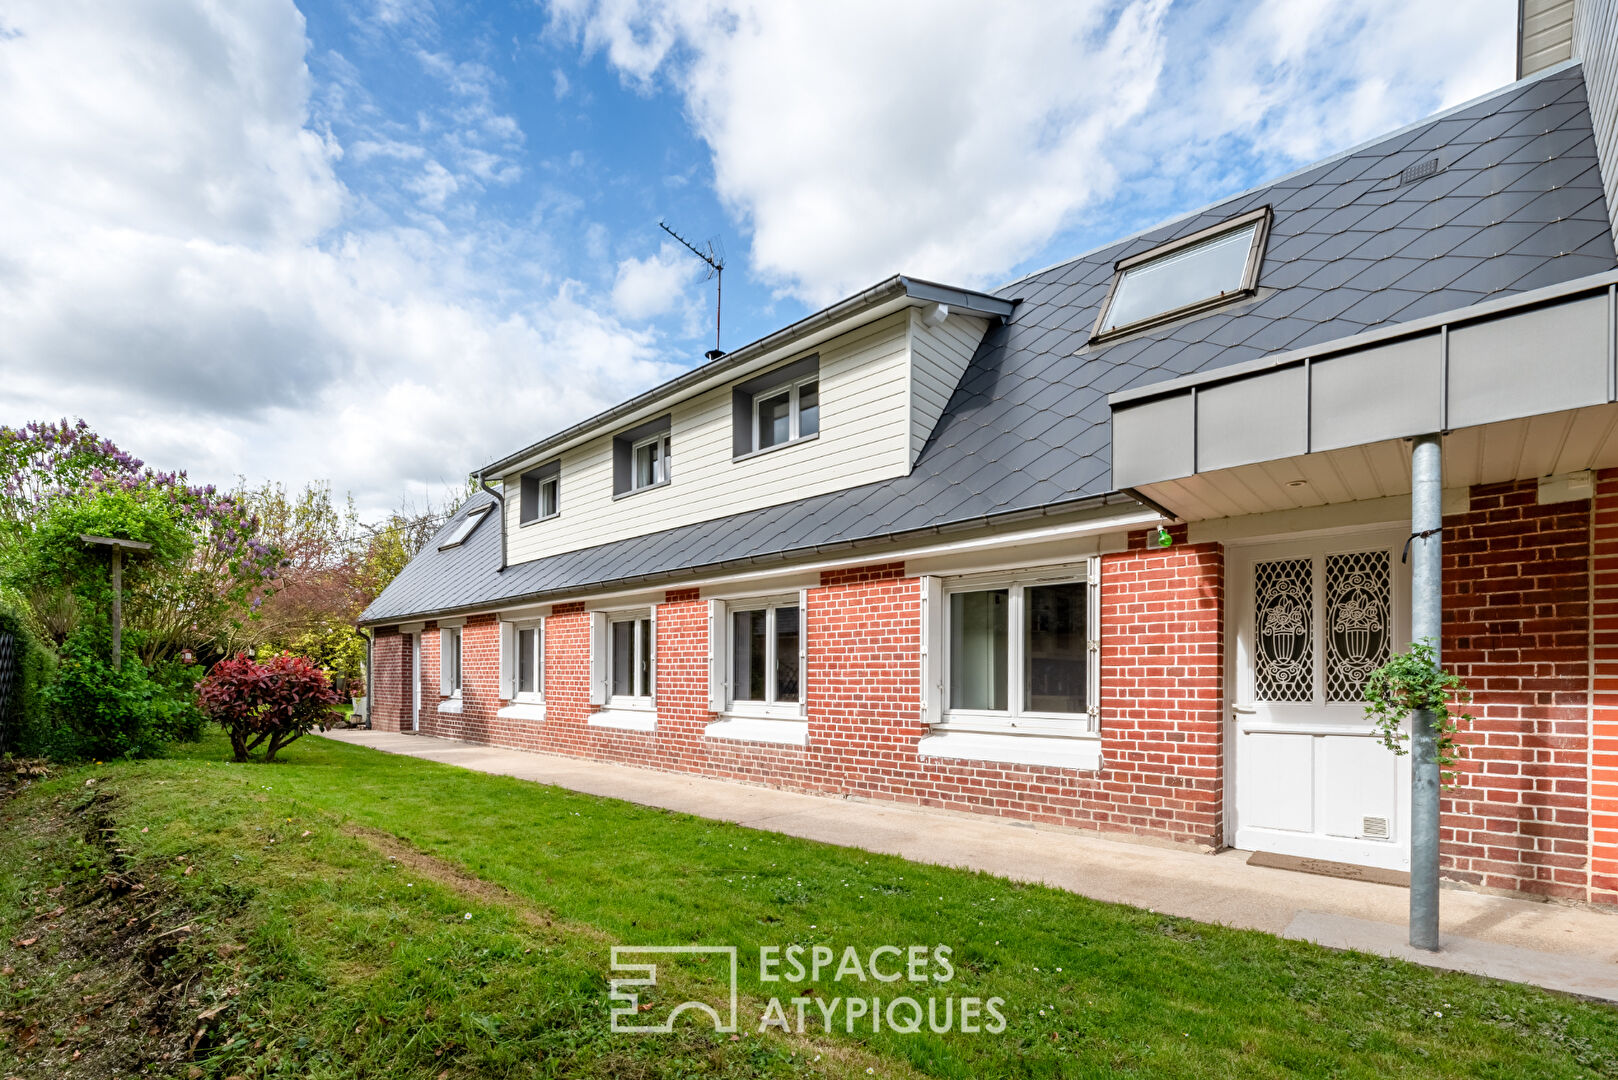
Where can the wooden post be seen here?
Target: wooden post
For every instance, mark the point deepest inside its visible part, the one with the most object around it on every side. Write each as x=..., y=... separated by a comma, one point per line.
x=117, y=608
x=118, y=547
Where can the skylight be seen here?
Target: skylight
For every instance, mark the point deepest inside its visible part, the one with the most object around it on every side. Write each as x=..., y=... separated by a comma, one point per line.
x=464, y=529
x=1189, y=275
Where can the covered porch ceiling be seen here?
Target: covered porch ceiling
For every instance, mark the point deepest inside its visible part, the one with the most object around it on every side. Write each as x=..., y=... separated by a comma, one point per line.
x=1541, y=447
x=1521, y=388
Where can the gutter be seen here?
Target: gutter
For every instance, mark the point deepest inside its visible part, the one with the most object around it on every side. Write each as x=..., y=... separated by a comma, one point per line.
x=500, y=498
x=786, y=559
x=895, y=287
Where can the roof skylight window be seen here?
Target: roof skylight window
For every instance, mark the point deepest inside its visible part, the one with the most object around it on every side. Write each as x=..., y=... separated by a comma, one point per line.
x=1187, y=276
x=458, y=536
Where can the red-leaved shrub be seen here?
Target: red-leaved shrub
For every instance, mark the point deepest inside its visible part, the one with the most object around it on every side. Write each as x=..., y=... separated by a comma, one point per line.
x=278, y=701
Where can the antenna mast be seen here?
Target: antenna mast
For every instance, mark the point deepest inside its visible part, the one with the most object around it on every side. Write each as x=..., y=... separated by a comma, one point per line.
x=715, y=258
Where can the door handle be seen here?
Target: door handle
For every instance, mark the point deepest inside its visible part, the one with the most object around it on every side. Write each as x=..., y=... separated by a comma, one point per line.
x=1244, y=710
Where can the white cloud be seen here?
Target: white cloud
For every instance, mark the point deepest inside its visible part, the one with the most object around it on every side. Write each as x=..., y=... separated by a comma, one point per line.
x=954, y=141
x=183, y=267
x=653, y=286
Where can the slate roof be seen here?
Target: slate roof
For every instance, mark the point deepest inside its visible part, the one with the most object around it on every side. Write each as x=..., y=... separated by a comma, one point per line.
x=1516, y=204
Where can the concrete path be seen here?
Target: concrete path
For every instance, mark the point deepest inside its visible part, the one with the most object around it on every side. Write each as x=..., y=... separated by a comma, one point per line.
x=1557, y=946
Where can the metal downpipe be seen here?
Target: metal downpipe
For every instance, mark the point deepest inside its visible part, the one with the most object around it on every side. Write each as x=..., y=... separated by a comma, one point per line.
x=1426, y=624
x=500, y=498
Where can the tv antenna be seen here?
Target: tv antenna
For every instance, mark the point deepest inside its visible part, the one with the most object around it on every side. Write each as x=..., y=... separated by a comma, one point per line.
x=714, y=256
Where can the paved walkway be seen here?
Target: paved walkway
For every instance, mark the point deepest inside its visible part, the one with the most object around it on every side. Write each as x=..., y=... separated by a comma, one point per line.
x=1558, y=946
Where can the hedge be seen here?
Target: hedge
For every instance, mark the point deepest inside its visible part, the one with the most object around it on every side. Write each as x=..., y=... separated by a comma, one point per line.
x=25, y=726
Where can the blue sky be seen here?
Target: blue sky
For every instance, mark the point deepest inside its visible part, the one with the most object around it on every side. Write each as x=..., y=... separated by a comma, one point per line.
x=381, y=242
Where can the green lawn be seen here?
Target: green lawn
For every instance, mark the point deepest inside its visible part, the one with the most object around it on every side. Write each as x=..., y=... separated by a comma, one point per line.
x=333, y=959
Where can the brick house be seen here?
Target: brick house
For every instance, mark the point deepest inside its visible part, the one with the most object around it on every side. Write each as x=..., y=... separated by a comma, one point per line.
x=1113, y=546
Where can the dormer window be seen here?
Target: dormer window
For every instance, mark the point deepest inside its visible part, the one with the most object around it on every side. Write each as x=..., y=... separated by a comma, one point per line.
x=651, y=462
x=776, y=408
x=541, y=493
x=641, y=457
x=786, y=413
x=1185, y=277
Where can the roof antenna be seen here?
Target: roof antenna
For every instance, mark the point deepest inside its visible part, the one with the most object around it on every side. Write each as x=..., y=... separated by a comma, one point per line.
x=714, y=256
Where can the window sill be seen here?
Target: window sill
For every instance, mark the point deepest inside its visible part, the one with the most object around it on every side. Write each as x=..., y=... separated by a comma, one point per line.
x=758, y=729
x=637, y=491
x=522, y=710
x=624, y=719
x=1082, y=752
x=758, y=710
x=450, y=705
x=799, y=441
x=537, y=520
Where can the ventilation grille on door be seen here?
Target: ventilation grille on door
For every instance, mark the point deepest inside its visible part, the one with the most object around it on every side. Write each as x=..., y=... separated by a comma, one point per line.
x=1374, y=828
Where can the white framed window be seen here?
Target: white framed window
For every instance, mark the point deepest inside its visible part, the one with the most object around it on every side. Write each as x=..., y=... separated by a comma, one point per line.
x=1185, y=277
x=540, y=492
x=786, y=413
x=649, y=462
x=1020, y=651
x=524, y=654
x=449, y=661
x=629, y=656
x=762, y=655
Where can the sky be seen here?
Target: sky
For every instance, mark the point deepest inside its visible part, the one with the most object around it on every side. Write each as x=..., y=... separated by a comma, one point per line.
x=383, y=242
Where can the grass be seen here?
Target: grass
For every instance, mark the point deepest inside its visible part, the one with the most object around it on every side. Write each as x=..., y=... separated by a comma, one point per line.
x=327, y=898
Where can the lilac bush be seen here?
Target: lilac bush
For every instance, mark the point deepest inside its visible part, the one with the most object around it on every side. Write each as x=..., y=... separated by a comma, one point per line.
x=205, y=600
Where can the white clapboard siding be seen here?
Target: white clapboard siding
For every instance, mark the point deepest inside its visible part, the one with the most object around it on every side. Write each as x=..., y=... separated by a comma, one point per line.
x=865, y=435
x=1595, y=43
x=939, y=355
x=1547, y=34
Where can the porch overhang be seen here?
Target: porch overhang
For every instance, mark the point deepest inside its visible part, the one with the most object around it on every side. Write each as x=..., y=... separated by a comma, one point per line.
x=1522, y=387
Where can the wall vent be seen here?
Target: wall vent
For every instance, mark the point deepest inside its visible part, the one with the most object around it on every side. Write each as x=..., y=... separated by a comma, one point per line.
x=1421, y=170
x=1374, y=828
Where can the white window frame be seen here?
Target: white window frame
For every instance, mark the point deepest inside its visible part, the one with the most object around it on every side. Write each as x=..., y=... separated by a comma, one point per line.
x=1015, y=718
x=768, y=709
x=454, y=676
x=535, y=696
x=551, y=485
x=794, y=388
x=644, y=702
x=661, y=471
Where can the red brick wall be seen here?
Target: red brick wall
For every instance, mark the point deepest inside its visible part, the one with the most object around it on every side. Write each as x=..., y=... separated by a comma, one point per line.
x=1163, y=662
x=863, y=699
x=390, y=681
x=1604, y=712
x=1517, y=632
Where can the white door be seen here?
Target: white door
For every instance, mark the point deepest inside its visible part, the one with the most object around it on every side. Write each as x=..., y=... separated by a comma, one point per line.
x=1312, y=619
x=415, y=682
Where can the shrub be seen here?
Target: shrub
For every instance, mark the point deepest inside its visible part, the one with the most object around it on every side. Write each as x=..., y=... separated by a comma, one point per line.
x=273, y=703
x=176, y=716
x=96, y=710
x=25, y=725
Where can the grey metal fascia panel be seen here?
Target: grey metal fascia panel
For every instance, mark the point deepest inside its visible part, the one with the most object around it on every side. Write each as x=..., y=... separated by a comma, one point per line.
x=1382, y=392
x=1539, y=361
x=1564, y=289
x=1260, y=418
x=1154, y=440
x=952, y=297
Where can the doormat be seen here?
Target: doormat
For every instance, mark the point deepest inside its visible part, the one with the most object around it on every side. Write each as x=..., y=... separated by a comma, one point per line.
x=1326, y=868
